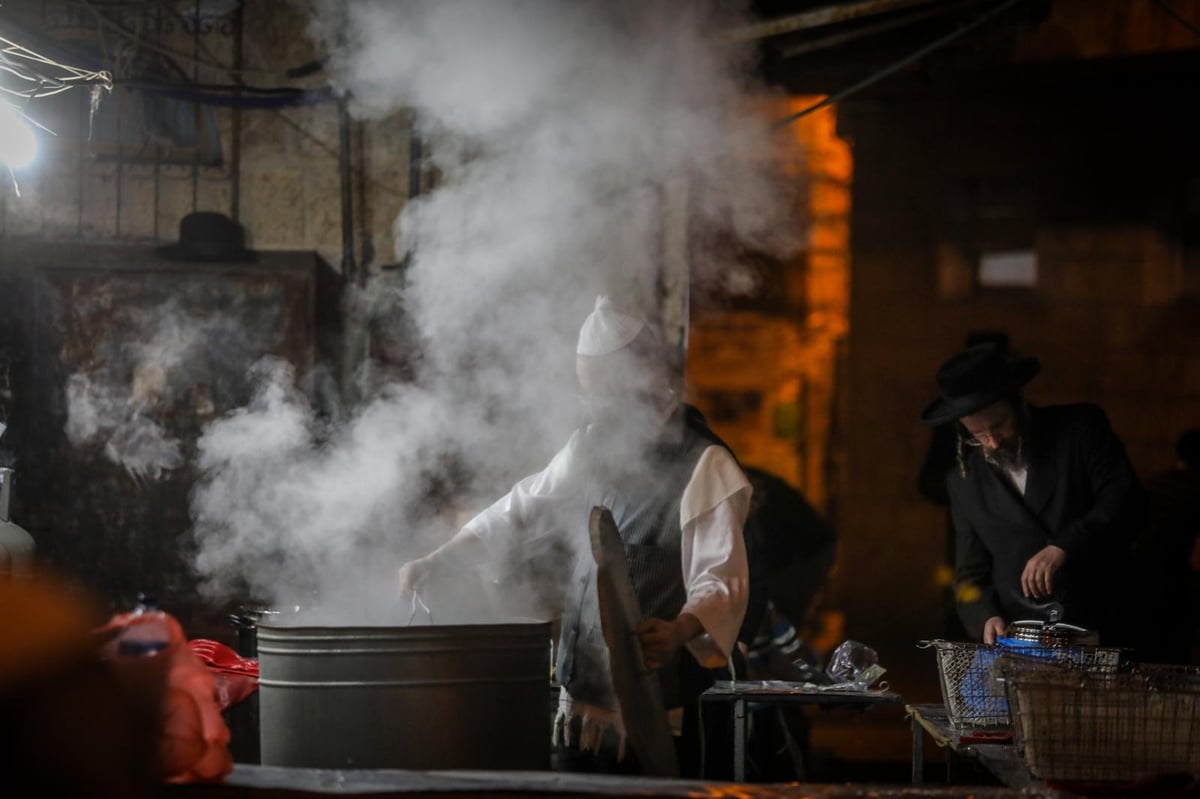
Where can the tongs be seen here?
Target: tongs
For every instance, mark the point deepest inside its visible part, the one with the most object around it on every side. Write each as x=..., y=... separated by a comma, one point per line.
x=418, y=603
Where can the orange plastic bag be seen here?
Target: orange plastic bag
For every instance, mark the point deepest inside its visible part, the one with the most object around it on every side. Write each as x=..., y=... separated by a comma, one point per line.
x=193, y=739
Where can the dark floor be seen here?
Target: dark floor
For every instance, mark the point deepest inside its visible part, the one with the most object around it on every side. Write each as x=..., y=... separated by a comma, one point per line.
x=853, y=746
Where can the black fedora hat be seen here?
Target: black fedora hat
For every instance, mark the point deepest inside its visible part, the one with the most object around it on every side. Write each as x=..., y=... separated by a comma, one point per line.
x=974, y=379
x=208, y=236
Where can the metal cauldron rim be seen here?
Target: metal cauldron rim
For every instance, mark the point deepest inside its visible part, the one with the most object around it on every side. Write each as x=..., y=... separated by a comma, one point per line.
x=414, y=631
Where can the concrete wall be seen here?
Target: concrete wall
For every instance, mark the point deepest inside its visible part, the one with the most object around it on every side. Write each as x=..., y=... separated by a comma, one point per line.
x=287, y=176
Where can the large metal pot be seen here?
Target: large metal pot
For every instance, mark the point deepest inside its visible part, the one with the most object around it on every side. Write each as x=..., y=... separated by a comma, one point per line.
x=430, y=697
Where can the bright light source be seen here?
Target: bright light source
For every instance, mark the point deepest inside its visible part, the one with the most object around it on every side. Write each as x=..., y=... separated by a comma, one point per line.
x=18, y=145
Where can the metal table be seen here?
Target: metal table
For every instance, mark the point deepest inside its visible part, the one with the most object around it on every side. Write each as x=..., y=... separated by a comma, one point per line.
x=784, y=693
x=992, y=748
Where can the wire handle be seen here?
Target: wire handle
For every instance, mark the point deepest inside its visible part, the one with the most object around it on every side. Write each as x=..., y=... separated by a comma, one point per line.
x=940, y=643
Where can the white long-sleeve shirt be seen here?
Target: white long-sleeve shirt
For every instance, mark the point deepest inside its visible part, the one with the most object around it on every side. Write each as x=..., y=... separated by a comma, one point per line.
x=712, y=514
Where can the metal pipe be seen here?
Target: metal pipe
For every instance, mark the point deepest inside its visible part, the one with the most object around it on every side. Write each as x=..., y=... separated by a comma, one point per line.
x=415, y=155
x=416, y=152
x=818, y=17
x=366, y=243
x=864, y=31
x=196, y=110
x=158, y=15
x=235, y=146
x=348, y=267
x=80, y=161
x=120, y=98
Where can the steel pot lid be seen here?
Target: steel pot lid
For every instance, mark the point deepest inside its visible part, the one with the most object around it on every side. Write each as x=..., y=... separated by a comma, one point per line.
x=1038, y=624
x=1052, y=634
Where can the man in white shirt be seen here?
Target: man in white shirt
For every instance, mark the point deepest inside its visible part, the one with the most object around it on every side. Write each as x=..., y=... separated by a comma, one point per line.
x=680, y=502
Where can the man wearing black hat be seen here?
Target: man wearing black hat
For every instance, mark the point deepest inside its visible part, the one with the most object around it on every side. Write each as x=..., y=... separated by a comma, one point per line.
x=1044, y=500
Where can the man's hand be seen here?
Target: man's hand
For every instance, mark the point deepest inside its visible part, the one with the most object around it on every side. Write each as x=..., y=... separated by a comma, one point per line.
x=415, y=574
x=992, y=628
x=660, y=639
x=1038, y=578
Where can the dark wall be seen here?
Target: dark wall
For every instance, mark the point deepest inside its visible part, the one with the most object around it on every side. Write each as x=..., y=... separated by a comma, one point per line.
x=1089, y=165
x=164, y=346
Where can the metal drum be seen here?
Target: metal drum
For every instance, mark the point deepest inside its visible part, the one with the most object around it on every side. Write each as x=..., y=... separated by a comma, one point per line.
x=433, y=697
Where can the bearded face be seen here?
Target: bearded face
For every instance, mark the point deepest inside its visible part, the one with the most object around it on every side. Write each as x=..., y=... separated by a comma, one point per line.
x=1008, y=454
x=999, y=432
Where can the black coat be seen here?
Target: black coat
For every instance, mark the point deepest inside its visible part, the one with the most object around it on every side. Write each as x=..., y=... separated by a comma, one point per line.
x=1081, y=494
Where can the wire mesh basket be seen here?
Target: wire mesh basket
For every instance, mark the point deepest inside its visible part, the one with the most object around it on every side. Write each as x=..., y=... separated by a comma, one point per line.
x=966, y=672
x=1105, y=726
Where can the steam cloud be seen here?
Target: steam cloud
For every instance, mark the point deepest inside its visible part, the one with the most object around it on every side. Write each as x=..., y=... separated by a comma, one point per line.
x=124, y=401
x=554, y=128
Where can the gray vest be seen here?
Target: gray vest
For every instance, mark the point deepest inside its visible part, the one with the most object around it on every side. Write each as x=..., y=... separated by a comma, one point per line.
x=644, y=500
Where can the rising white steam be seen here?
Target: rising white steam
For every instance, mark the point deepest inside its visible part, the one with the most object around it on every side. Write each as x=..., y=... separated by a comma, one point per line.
x=555, y=128
x=145, y=366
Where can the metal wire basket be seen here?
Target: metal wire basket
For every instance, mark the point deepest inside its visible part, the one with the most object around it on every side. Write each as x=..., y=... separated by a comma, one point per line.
x=1104, y=726
x=966, y=672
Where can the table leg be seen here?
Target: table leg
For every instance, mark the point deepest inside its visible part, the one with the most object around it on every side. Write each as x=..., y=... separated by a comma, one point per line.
x=918, y=753
x=739, y=740
x=796, y=749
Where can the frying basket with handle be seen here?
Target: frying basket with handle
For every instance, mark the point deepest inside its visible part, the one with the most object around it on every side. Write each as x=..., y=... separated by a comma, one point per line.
x=966, y=674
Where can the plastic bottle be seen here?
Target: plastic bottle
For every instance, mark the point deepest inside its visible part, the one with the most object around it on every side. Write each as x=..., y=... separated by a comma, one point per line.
x=144, y=637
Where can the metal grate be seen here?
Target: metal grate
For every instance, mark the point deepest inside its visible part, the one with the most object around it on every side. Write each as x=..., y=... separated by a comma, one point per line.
x=974, y=698
x=1098, y=726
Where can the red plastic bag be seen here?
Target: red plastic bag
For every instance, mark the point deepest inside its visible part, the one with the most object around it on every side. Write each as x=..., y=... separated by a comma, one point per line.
x=236, y=677
x=193, y=740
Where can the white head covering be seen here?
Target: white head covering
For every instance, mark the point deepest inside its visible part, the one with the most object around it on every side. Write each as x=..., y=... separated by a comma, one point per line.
x=607, y=330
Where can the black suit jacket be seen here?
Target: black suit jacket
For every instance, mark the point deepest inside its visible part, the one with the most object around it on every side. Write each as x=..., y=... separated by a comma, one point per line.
x=1081, y=494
